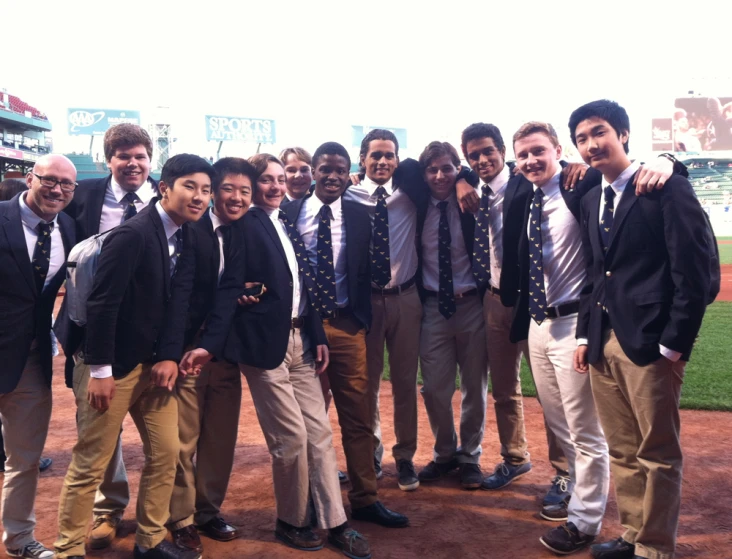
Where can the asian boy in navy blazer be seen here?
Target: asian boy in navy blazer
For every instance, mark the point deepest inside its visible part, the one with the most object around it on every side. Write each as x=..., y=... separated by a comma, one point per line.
x=281, y=347
x=208, y=403
x=100, y=205
x=641, y=307
x=337, y=236
x=125, y=314
x=35, y=240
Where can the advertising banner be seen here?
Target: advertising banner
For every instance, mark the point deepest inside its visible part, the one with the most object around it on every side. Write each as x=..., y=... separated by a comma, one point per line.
x=240, y=129
x=11, y=153
x=95, y=122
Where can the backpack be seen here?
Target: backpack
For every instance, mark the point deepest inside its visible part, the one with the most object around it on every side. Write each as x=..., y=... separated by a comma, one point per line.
x=81, y=266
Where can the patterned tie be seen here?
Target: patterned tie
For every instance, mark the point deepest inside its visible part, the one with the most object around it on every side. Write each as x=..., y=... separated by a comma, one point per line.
x=537, y=292
x=42, y=254
x=130, y=210
x=446, y=296
x=177, y=251
x=326, y=270
x=380, y=263
x=301, y=254
x=606, y=223
x=481, y=248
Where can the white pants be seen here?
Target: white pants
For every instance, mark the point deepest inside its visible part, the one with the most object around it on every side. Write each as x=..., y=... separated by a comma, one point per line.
x=569, y=408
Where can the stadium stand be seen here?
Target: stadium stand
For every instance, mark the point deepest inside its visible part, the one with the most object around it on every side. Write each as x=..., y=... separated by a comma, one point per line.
x=711, y=177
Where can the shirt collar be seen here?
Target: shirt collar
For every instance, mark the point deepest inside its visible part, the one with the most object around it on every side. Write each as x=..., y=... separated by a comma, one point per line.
x=315, y=204
x=371, y=186
x=272, y=213
x=215, y=221
x=551, y=187
x=499, y=182
x=619, y=183
x=168, y=224
x=120, y=192
x=451, y=200
x=29, y=217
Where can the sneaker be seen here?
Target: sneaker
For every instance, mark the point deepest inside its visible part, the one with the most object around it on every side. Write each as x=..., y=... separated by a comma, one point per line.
x=566, y=539
x=470, y=476
x=505, y=474
x=351, y=543
x=559, y=492
x=435, y=470
x=33, y=550
x=377, y=468
x=103, y=531
x=555, y=513
x=406, y=475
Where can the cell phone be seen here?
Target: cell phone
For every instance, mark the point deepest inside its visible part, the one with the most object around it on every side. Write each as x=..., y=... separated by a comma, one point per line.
x=256, y=291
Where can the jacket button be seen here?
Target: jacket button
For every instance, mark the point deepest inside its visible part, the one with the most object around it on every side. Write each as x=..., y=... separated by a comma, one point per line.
x=608, y=273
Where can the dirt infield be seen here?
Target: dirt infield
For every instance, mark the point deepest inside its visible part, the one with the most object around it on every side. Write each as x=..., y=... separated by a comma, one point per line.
x=725, y=292
x=446, y=522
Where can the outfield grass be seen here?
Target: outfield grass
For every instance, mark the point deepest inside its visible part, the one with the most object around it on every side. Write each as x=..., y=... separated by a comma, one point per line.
x=708, y=381
x=725, y=254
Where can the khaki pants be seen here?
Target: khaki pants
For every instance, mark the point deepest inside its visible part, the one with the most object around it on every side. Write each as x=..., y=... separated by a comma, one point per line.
x=155, y=412
x=25, y=413
x=348, y=377
x=396, y=320
x=445, y=344
x=113, y=494
x=291, y=412
x=208, y=424
x=639, y=411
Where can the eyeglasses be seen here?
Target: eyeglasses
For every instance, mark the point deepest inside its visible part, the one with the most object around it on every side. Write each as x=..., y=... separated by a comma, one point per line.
x=51, y=182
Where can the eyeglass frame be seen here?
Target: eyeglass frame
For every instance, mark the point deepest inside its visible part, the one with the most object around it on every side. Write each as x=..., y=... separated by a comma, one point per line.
x=56, y=182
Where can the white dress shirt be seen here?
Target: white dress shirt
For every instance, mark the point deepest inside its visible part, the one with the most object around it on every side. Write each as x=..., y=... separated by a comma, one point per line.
x=495, y=223
x=113, y=210
x=217, y=224
x=462, y=274
x=307, y=225
x=564, y=262
x=402, y=226
x=30, y=229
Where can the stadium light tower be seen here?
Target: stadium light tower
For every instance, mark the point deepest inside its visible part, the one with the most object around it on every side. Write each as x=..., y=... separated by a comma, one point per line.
x=162, y=139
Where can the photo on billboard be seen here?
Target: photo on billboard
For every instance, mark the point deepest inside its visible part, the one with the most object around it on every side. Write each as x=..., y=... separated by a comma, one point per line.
x=702, y=124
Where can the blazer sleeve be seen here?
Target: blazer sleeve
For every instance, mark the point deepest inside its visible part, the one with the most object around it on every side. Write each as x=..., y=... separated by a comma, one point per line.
x=583, y=319
x=117, y=261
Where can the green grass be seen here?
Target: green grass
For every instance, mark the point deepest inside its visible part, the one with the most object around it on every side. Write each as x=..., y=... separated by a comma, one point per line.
x=725, y=254
x=708, y=381
x=724, y=238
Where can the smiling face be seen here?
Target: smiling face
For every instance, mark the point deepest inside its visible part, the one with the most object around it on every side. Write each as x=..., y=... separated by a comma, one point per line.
x=130, y=167
x=188, y=198
x=299, y=176
x=602, y=147
x=331, y=177
x=537, y=157
x=46, y=202
x=233, y=198
x=441, y=175
x=485, y=158
x=271, y=186
x=380, y=161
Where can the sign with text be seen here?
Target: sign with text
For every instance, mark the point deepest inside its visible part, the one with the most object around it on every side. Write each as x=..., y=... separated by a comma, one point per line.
x=240, y=129
x=95, y=122
x=11, y=153
x=358, y=133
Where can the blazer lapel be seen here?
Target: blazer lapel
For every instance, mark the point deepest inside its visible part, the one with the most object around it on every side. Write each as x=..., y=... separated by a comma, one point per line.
x=594, y=219
x=13, y=226
x=270, y=228
x=621, y=211
x=94, y=216
x=163, y=240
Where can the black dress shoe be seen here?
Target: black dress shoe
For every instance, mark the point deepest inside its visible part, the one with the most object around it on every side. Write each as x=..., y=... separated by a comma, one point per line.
x=187, y=538
x=44, y=464
x=379, y=514
x=220, y=530
x=166, y=550
x=615, y=549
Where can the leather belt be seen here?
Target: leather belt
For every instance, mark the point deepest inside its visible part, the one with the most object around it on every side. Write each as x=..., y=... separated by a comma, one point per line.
x=337, y=313
x=393, y=290
x=470, y=293
x=297, y=323
x=493, y=290
x=563, y=310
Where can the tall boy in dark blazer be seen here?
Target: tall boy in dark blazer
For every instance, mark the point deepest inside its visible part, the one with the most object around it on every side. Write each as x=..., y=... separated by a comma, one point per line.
x=641, y=308
x=125, y=311
x=35, y=240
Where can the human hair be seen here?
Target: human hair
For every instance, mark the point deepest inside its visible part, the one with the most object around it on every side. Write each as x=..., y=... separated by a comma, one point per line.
x=10, y=187
x=534, y=127
x=260, y=162
x=299, y=153
x=331, y=148
x=378, y=134
x=185, y=164
x=479, y=130
x=124, y=136
x=438, y=149
x=609, y=111
x=232, y=166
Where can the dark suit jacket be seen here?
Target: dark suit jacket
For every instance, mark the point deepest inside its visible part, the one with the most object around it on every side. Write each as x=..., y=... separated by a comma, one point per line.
x=521, y=318
x=129, y=300
x=256, y=335
x=25, y=314
x=358, y=239
x=654, y=278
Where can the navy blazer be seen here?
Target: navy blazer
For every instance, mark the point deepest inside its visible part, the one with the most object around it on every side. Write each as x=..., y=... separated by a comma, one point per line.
x=256, y=335
x=25, y=314
x=358, y=241
x=131, y=292
x=654, y=278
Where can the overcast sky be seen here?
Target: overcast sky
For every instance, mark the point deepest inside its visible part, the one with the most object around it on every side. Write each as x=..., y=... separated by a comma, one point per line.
x=318, y=67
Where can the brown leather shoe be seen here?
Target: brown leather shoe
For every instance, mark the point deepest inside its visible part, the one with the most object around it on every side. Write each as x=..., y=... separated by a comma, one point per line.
x=218, y=529
x=303, y=539
x=187, y=538
x=103, y=531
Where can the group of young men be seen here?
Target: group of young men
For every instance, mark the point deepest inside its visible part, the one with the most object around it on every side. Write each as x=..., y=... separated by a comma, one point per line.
x=298, y=275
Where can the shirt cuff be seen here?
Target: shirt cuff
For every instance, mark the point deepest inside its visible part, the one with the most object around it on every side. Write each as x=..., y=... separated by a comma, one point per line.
x=581, y=341
x=100, y=371
x=669, y=354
